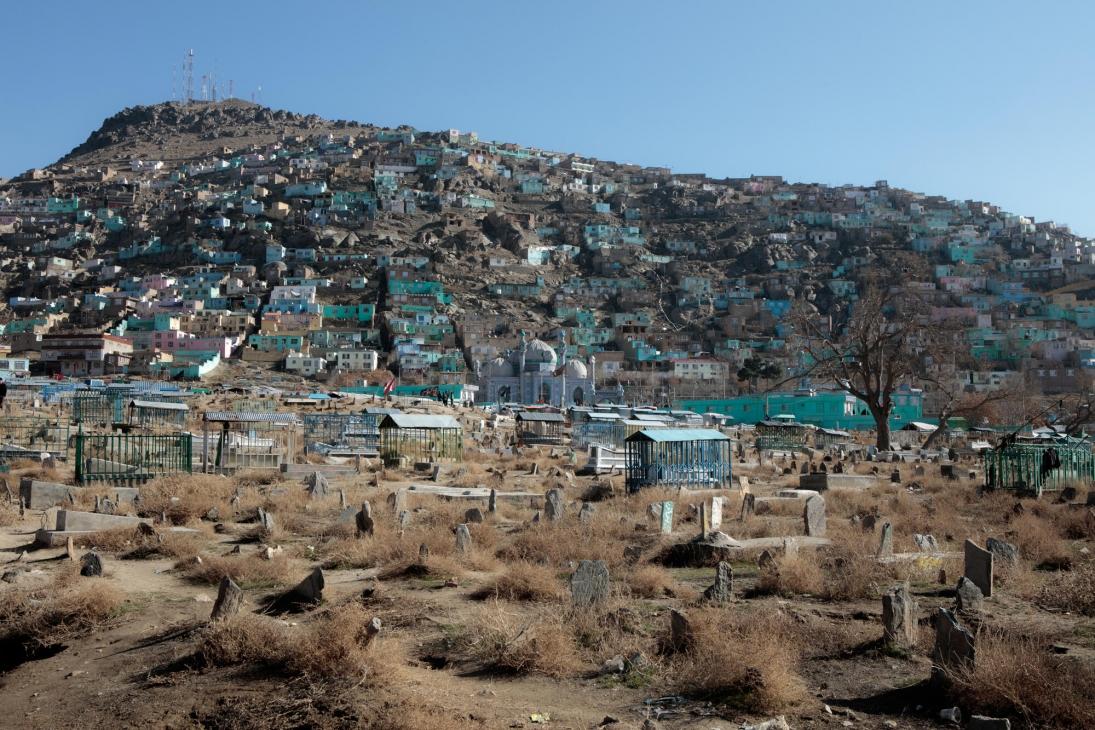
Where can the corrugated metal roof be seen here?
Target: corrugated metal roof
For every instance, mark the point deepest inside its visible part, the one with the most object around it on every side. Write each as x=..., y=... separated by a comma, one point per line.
x=605, y=417
x=155, y=405
x=418, y=420
x=678, y=434
x=282, y=419
x=652, y=417
x=537, y=416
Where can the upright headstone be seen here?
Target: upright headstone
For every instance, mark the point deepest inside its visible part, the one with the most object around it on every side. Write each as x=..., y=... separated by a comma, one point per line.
x=423, y=553
x=766, y=561
x=885, y=543
x=435, y=472
x=229, y=600
x=473, y=515
x=365, y=522
x=70, y=549
x=895, y=476
x=978, y=567
x=813, y=516
x=463, y=539
x=705, y=525
x=309, y=590
x=404, y=518
x=899, y=617
x=589, y=584
x=716, y=512
x=266, y=520
x=954, y=645
x=748, y=506
x=585, y=514
x=492, y=501
x=680, y=631
x=342, y=503
x=553, y=505
x=317, y=485
x=723, y=587
x=667, y=518
x=805, y=468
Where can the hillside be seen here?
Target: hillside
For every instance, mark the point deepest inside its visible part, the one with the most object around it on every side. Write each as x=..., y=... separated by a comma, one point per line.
x=655, y=265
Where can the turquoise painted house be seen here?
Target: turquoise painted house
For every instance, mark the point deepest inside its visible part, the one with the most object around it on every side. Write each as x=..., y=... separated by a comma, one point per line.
x=827, y=409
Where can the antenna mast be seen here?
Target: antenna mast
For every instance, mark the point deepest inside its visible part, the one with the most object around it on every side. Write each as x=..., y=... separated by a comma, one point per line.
x=188, y=64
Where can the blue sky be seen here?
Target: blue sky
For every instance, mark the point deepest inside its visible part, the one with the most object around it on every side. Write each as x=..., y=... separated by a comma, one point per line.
x=985, y=100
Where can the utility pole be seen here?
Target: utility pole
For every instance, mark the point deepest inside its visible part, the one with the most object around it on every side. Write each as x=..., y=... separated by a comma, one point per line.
x=188, y=66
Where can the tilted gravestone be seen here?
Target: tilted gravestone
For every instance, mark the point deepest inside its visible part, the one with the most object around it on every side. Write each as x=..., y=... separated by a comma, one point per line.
x=1007, y=552
x=968, y=597
x=978, y=567
x=229, y=600
x=926, y=543
x=589, y=584
x=748, y=506
x=954, y=645
x=813, y=516
x=473, y=515
x=317, y=485
x=899, y=617
x=266, y=521
x=364, y=519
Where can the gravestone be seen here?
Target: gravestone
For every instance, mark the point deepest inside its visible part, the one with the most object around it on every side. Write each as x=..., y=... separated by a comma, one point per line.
x=91, y=565
x=813, y=515
x=981, y=722
x=968, y=597
x=838, y=468
x=463, y=539
x=266, y=521
x=680, y=631
x=667, y=518
x=899, y=617
x=723, y=587
x=492, y=501
x=885, y=543
x=954, y=645
x=868, y=522
x=423, y=553
x=895, y=476
x=585, y=514
x=1091, y=498
x=1069, y=494
x=805, y=469
x=926, y=543
x=589, y=584
x=918, y=470
x=534, y=469
x=716, y=512
x=229, y=600
x=342, y=503
x=553, y=505
x=70, y=549
x=435, y=472
x=1007, y=552
x=473, y=515
x=317, y=485
x=978, y=567
x=748, y=506
x=766, y=561
x=308, y=591
x=105, y=506
x=365, y=522
x=404, y=520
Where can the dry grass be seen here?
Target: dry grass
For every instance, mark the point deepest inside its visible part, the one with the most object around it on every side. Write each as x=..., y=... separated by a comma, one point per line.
x=525, y=581
x=746, y=661
x=331, y=646
x=650, y=581
x=186, y=497
x=1016, y=676
x=137, y=545
x=791, y=574
x=506, y=642
x=1038, y=539
x=248, y=571
x=65, y=609
x=1072, y=590
x=557, y=544
x=9, y=513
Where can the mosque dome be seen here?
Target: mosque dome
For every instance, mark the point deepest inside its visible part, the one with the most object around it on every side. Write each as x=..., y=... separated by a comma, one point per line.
x=540, y=352
x=576, y=369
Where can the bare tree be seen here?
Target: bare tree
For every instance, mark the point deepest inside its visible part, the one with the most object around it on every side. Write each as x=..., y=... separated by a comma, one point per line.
x=874, y=349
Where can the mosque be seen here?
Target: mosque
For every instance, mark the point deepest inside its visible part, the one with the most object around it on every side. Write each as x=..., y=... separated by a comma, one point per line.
x=532, y=374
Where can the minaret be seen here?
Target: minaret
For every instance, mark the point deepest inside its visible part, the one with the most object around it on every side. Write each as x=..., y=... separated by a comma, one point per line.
x=563, y=370
x=593, y=375
x=521, y=371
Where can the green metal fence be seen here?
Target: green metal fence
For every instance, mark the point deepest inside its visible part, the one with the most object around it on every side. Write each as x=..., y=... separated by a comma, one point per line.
x=96, y=408
x=27, y=437
x=131, y=458
x=1026, y=467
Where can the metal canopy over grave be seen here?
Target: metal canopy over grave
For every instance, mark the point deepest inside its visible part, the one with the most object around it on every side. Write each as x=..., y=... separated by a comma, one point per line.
x=1039, y=464
x=537, y=427
x=341, y=434
x=131, y=458
x=417, y=437
x=694, y=457
x=782, y=433
x=152, y=414
x=23, y=437
x=248, y=440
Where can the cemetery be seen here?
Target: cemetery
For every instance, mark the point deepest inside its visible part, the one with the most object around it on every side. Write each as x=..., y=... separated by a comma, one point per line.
x=707, y=572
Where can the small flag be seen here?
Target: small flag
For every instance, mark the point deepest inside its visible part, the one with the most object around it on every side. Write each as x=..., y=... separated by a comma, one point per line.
x=389, y=387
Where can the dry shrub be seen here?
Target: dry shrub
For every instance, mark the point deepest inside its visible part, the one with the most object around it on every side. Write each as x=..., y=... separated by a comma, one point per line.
x=650, y=581
x=1072, y=590
x=58, y=612
x=525, y=581
x=9, y=513
x=747, y=661
x=791, y=574
x=560, y=543
x=1038, y=539
x=505, y=642
x=248, y=571
x=851, y=574
x=1016, y=676
x=186, y=497
x=334, y=645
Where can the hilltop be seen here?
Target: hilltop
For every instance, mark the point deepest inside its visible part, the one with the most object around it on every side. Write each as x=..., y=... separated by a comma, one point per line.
x=644, y=265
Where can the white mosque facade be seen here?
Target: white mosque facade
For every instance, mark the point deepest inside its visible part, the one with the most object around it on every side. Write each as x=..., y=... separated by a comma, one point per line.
x=532, y=374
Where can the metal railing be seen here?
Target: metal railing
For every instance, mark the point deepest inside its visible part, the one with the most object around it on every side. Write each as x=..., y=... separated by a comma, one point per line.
x=131, y=458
